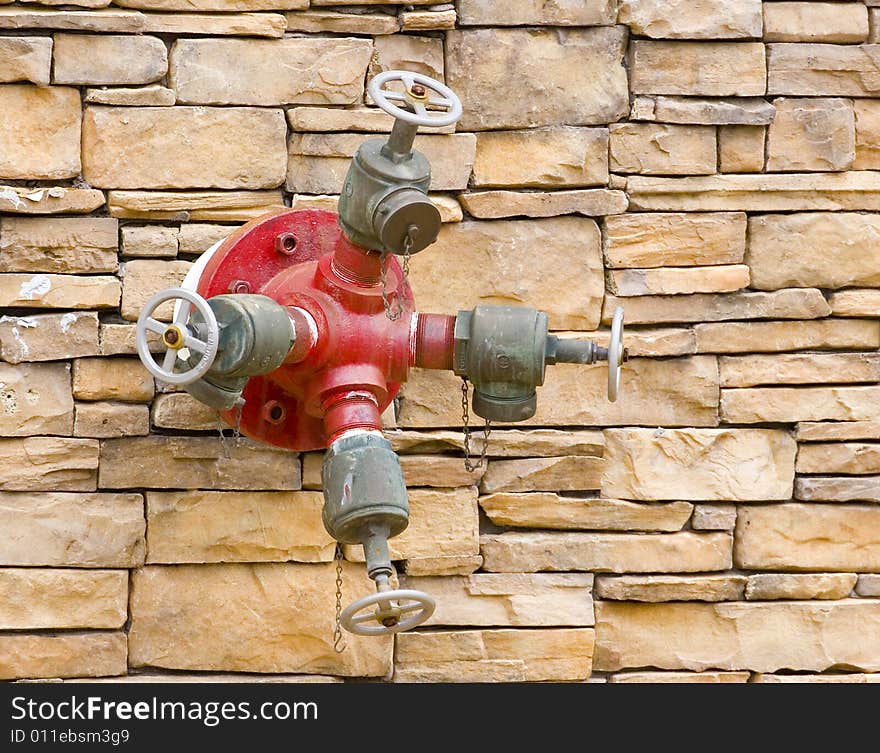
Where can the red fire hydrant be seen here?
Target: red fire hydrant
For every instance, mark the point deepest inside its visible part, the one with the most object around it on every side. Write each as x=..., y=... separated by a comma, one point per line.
x=300, y=328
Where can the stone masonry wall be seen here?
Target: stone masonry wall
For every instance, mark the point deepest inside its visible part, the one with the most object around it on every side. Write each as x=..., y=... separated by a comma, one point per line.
x=709, y=164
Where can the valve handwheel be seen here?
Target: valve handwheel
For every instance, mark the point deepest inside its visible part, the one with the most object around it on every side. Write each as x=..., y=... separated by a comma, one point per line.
x=616, y=354
x=419, y=93
x=177, y=335
x=398, y=610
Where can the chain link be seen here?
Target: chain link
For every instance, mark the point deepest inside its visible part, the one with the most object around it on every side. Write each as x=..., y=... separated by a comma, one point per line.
x=338, y=641
x=394, y=313
x=469, y=465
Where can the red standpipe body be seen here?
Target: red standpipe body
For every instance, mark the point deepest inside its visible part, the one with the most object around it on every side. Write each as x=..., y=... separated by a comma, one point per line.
x=356, y=356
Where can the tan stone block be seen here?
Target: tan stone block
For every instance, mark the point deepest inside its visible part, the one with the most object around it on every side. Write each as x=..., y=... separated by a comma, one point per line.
x=662, y=149
x=510, y=599
x=850, y=677
x=768, y=586
x=183, y=147
x=544, y=157
x=791, y=404
x=58, y=529
x=799, y=368
x=152, y=95
x=108, y=59
x=704, y=307
x=861, y=459
x=655, y=588
x=494, y=656
x=106, y=420
x=805, y=636
x=446, y=282
x=692, y=19
x=606, y=552
x=32, y=599
x=318, y=71
x=759, y=193
x=822, y=70
x=674, y=240
x=25, y=59
x=714, y=69
x=868, y=585
x=855, y=302
x=867, y=117
x=768, y=337
x=741, y=149
x=39, y=131
x=149, y=240
x=69, y=244
x=117, y=339
x=549, y=510
x=144, y=277
x=276, y=618
x=317, y=22
x=543, y=474
x=699, y=464
x=123, y=379
x=674, y=392
x=142, y=678
x=178, y=410
x=848, y=256
x=219, y=24
x=815, y=22
x=696, y=111
x=503, y=442
x=441, y=523
x=48, y=337
x=811, y=134
x=702, y=678
x=407, y=52
x=58, y=291
x=44, y=655
x=224, y=6
x=499, y=204
x=166, y=462
x=50, y=200
x=585, y=63
x=809, y=431
x=425, y=20
x=536, y=13
x=317, y=119
x=103, y=20
x=462, y=564
x=196, y=239
x=220, y=206
x=677, y=280
x=839, y=537
x=714, y=517
x=207, y=526
x=838, y=489
x=48, y=463
x=35, y=399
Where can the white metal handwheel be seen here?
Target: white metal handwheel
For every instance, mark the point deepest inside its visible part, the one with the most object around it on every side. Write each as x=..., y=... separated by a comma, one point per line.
x=390, y=606
x=419, y=93
x=177, y=336
x=616, y=354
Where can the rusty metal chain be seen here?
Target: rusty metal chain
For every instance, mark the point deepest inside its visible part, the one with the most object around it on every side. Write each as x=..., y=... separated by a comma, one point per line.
x=338, y=640
x=394, y=313
x=469, y=465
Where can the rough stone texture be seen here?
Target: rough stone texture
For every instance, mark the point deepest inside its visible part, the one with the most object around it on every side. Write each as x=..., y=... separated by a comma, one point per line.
x=123, y=379
x=606, y=552
x=61, y=529
x=741, y=149
x=178, y=410
x=491, y=205
x=35, y=399
x=407, y=52
x=568, y=77
x=867, y=115
x=677, y=280
x=152, y=95
x=106, y=59
x=510, y=599
x=430, y=19
x=813, y=536
x=67, y=245
x=183, y=147
x=855, y=302
x=696, y=111
x=276, y=618
x=809, y=431
x=341, y=23
x=661, y=149
x=549, y=510
x=51, y=200
x=671, y=587
x=149, y=240
x=71, y=20
x=245, y=72
x=799, y=586
x=58, y=291
x=798, y=368
x=505, y=443
x=214, y=5
x=811, y=134
x=39, y=131
x=43, y=655
x=711, y=69
x=105, y=420
x=791, y=404
x=25, y=59
x=699, y=464
x=718, y=517
x=495, y=656
x=674, y=240
x=860, y=459
x=543, y=474
x=48, y=337
x=142, y=278
x=239, y=24
x=806, y=636
x=686, y=19
x=826, y=334
x=535, y=12
x=702, y=678
x=838, y=489
x=850, y=677
x=219, y=206
x=35, y=599
x=823, y=70
x=815, y=22
x=868, y=585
